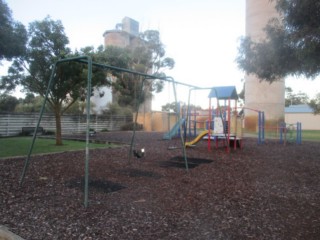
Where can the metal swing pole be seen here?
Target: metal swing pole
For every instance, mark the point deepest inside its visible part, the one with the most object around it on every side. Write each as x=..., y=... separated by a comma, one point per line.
x=179, y=120
x=188, y=121
x=26, y=163
x=86, y=177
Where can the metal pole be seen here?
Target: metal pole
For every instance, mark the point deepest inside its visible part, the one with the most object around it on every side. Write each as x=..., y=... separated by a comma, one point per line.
x=181, y=137
x=209, y=126
x=26, y=163
x=281, y=131
x=299, y=131
x=86, y=179
x=263, y=128
x=259, y=127
x=188, y=117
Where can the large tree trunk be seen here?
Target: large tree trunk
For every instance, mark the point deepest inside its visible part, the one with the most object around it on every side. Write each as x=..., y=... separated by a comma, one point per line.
x=57, y=113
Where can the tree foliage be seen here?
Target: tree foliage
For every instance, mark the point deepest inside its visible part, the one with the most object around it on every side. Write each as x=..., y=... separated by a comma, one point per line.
x=172, y=107
x=13, y=35
x=315, y=104
x=295, y=98
x=151, y=50
x=146, y=55
x=8, y=103
x=47, y=44
x=30, y=104
x=292, y=45
x=169, y=107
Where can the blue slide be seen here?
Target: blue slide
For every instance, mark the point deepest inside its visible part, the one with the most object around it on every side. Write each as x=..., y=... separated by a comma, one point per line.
x=174, y=130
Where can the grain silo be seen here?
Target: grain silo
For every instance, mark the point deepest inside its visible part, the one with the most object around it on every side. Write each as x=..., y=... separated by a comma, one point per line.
x=125, y=33
x=261, y=95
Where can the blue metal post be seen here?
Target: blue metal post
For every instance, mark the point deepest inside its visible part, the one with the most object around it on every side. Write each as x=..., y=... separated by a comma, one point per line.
x=259, y=128
x=262, y=126
x=282, y=127
x=299, y=133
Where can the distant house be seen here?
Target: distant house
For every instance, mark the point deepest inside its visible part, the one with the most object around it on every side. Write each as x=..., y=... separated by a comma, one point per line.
x=302, y=113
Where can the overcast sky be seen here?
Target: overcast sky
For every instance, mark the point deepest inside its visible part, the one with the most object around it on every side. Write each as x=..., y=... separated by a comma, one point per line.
x=201, y=36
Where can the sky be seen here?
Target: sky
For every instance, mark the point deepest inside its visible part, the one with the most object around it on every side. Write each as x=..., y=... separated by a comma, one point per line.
x=202, y=36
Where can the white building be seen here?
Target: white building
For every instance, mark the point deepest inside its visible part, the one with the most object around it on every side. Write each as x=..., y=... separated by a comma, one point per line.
x=302, y=113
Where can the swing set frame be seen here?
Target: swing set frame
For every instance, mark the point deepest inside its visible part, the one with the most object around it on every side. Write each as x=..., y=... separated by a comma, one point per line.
x=87, y=60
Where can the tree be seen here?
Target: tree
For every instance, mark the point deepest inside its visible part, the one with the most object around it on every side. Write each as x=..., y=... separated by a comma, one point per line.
x=13, y=35
x=8, y=103
x=150, y=57
x=30, y=103
x=315, y=104
x=292, y=45
x=146, y=55
x=172, y=107
x=295, y=98
x=169, y=107
x=47, y=44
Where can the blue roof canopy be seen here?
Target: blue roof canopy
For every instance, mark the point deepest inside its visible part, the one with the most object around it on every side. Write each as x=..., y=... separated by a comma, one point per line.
x=228, y=92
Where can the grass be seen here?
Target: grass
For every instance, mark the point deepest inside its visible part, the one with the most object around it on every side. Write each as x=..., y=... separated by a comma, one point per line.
x=19, y=146
x=307, y=135
x=311, y=135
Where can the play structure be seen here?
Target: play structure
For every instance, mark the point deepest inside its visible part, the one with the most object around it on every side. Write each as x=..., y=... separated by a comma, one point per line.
x=282, y=131
x=221, y=123
x=291, y=133
x=175, y=129
x=224, y=123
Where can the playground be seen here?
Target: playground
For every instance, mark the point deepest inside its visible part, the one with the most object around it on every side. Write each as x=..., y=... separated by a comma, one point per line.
x=268, y=191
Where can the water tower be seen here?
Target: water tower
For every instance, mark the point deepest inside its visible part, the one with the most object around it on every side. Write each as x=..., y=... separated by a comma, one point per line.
x=262, y=95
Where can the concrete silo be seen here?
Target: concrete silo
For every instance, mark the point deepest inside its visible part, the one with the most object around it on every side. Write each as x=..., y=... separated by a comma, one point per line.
x=124, y=35
x=261, y=95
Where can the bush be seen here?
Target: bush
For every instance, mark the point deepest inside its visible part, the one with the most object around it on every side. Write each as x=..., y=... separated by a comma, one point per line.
x=129, y=126
x=49, y=132
x=115, y=109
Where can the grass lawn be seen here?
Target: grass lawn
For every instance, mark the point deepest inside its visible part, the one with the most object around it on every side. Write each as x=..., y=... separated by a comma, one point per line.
x=310, y=135
x=307, y=135
x=19, y=146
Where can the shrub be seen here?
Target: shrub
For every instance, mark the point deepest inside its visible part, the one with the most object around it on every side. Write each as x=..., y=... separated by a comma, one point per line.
x=129, y=126
x=49, y=132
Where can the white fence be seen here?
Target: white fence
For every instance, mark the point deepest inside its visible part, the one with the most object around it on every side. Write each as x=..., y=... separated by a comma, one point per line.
x=11, y=123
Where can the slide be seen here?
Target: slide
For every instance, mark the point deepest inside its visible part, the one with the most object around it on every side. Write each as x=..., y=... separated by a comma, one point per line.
x=197, y=139
x=174, y=130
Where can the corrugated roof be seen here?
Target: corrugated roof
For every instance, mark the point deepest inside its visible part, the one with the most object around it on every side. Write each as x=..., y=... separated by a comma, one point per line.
x=301, y=108
x=227, y=92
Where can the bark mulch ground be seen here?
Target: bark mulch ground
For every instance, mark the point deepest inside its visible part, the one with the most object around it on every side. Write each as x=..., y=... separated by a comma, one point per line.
x=268, y=191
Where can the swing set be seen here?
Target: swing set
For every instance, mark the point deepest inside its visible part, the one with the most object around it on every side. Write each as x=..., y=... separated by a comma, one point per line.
x=87, y=60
